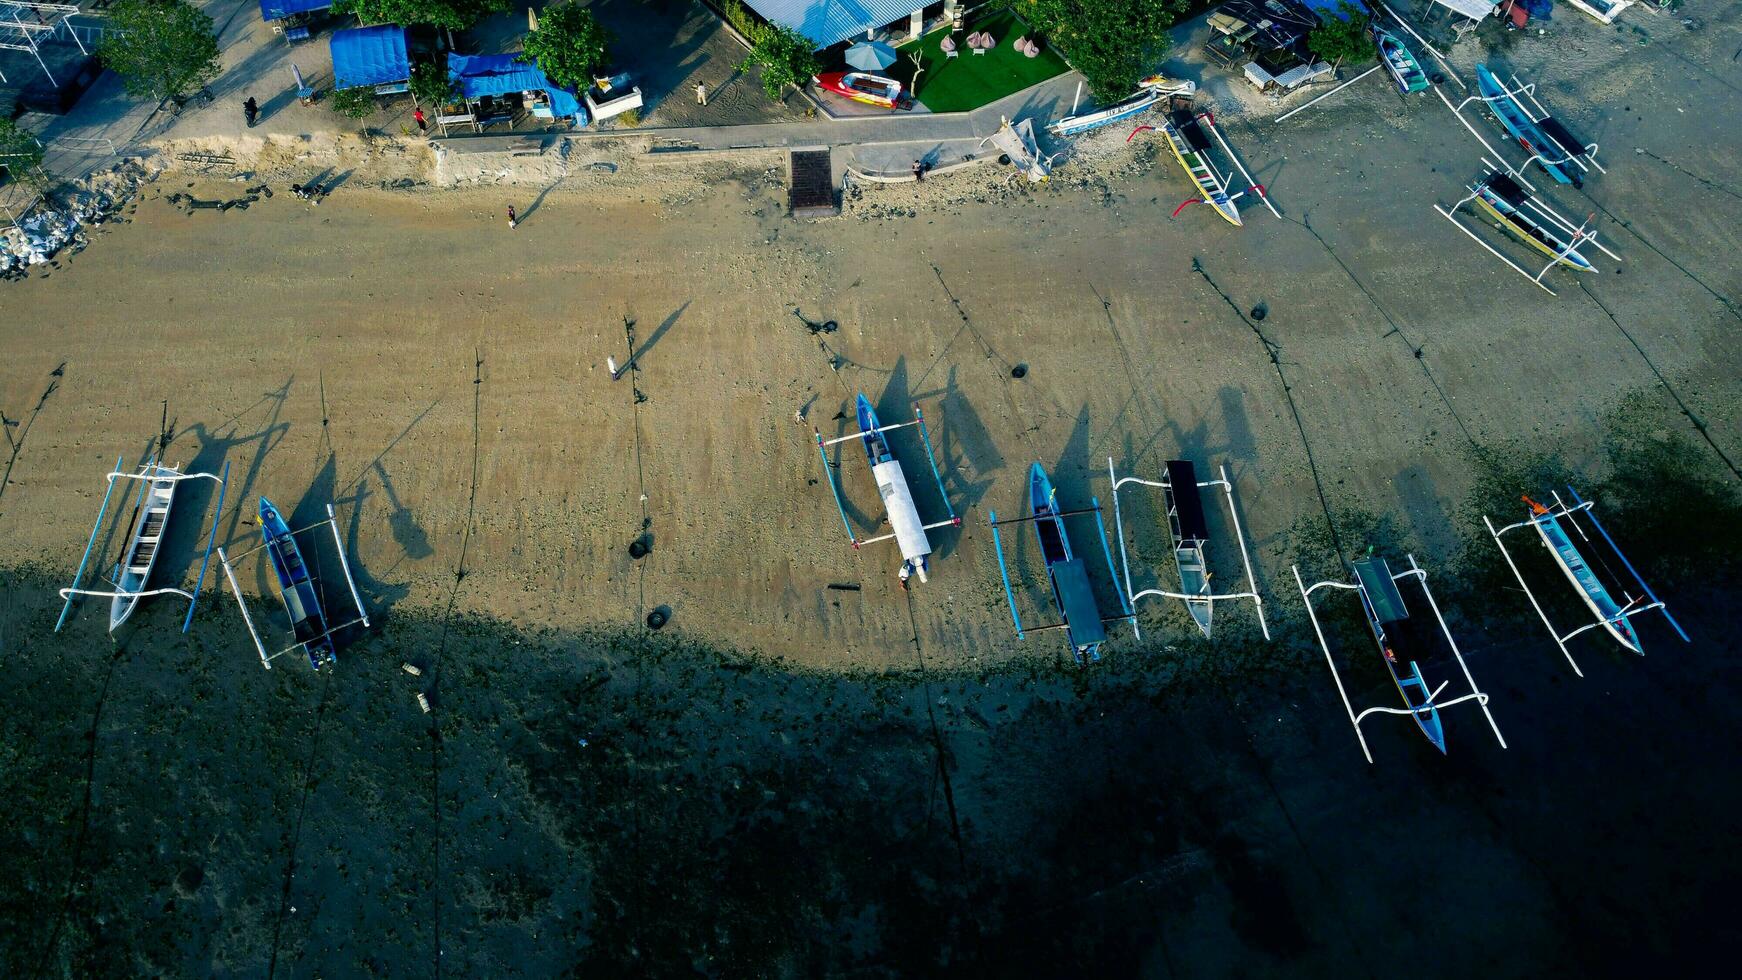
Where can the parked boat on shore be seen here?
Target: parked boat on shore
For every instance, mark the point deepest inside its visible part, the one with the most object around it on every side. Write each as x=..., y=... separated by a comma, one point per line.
x=862, y=87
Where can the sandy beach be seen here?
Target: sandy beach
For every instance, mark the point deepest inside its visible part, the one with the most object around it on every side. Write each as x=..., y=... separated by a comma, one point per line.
x=810, y=770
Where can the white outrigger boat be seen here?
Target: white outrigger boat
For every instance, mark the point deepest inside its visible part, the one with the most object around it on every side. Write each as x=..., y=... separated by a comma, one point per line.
x=1151, y=90
x=1189, y=534
x=148, y=530
x=1614, y=617
x=1507, y=201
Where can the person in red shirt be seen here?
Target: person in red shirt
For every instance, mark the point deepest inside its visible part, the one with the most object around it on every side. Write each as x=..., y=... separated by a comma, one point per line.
x=422, y=126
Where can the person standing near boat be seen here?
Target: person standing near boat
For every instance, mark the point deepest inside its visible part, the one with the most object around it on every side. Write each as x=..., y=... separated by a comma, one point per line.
x=701, y=93
x=513, y=219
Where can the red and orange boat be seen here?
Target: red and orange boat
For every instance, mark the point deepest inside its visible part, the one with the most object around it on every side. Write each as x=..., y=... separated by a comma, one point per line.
x=862, y=87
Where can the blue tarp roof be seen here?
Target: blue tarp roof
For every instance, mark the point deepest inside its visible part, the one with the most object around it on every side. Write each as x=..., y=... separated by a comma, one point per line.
x=278, y=9
x=1323, y=7
x=500, y=74
x=370, y=56
x=829, y=22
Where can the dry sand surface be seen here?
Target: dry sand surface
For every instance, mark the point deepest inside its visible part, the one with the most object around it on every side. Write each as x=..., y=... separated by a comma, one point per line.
x=443, y=380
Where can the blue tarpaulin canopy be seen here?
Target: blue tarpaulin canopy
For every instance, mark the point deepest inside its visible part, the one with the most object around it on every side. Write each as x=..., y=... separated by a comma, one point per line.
x=280, y=9
x=1323, y=7
x=370, y=56
x=501, y=74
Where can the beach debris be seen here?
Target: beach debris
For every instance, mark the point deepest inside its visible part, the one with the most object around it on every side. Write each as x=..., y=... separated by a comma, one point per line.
x=640, y=547
x=658, y=618
x=58, y=222
x=814, y=326
x=1019, y=372
x=411, y=669
x=423, y=702
x=844, y=586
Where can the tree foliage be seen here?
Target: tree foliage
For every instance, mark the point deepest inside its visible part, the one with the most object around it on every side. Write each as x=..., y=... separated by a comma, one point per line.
x=430, y=84
x=785, y=56
x=357, y=102
x=161, y=48
x=454, y=15
x=21, y=154
x=569, y=45
x=1114, y=43
x=1342, y=39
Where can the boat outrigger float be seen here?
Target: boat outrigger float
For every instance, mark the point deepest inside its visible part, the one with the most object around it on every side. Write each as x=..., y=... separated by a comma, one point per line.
x=1507, y=203
x=906, y=528
x=149, y=529
x=310, y=630
x=1189, y=534
x=1401, y=640
x=1079, y=615
x=1185, y=135
x=1614, y=617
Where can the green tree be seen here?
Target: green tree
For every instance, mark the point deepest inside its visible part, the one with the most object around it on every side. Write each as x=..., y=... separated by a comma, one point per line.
x=430, y=84
x=21, y=155
x=162, y=49
x=453, y=15
x=569, y=45
x=357, y=102
x=1114, y=43
x=785, y=56
x=1344, y=38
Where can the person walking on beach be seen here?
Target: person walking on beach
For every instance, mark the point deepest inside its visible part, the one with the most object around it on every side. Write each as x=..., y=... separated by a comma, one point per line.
x=251, y=109
x=918, y=172
x=422, y=124
x=513, y=219
x=701, y=93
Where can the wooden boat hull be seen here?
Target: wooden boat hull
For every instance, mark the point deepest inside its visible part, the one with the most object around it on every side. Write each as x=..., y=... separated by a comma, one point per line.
x=1518, y=122
x=1194, y=579
x=1072, y=125
x=1530, y=232
x=1066, y=573
x=1214, y=193
x=859, y=86
x=150, y=526
x=296, y=587
x=1591, y=589
x=1372, y=574
x=1403, y=67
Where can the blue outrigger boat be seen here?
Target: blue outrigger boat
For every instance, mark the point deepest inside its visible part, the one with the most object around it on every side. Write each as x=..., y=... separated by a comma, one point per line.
x=1555, y=149
x=296, y=588
x=907, y=528
x=1596, y=595
x=1085, y=628
x=1393, y=631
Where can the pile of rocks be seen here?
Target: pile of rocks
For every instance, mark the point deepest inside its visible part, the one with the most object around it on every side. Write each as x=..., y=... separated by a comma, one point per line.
x=59, y=221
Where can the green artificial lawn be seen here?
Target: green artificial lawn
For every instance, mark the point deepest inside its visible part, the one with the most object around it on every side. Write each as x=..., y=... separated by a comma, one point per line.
x=969, y=81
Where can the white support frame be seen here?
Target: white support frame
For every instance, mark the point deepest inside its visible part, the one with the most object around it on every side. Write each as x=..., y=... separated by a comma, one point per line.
x=1239, y=535
x=1631, y=609
x=344, y=565
x=1585, y=160
x=828, y=470
x=1576, y=235
x=1252, y=185
x=1476, y=694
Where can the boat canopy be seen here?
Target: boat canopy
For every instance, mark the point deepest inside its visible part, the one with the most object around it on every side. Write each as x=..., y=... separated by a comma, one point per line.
x=370, y=56
x=1381, y=589
x=1182, y=479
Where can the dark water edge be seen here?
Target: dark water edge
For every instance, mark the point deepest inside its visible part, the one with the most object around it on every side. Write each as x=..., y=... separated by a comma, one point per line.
x=1182, y=809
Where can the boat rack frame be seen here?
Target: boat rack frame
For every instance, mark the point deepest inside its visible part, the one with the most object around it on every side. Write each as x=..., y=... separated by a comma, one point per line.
x=1128, y=616
x=1576, y=235
x=1476, y=693
x=148, y=473
x=345, y=566
x=834, y=488
x=1561, y=509
x=1239, y=535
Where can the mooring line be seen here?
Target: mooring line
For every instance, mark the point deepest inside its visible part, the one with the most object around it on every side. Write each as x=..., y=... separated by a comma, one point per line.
x=991, y=355
x=17, y=445
x=315, y=732
x=937, y=737
x=1124, y=357
x=78, y=847
x=1714, y=185
x=1396, y=328
x=1623, y=223
x=1273, y=349
x=1694, y=419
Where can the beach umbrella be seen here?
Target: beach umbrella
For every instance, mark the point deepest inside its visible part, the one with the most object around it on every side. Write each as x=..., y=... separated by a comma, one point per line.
x=871, y=55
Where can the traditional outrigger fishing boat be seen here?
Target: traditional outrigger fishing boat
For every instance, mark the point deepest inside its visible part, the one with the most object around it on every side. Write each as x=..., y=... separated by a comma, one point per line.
x=1189, y=535
x=1549, y=143
x=1074, y=599
x=1551, y=524
x=310, y=630
x=1405, y=70
x=1151, y=90
x=907, y=529
x=862, y=87
x=1191, y=148
x=148, y=529
x=1402, y=639
x=1505, y=200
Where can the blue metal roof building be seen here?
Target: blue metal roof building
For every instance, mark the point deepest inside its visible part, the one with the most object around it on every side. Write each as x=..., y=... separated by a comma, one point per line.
x=370, y=56
x=828, y=22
